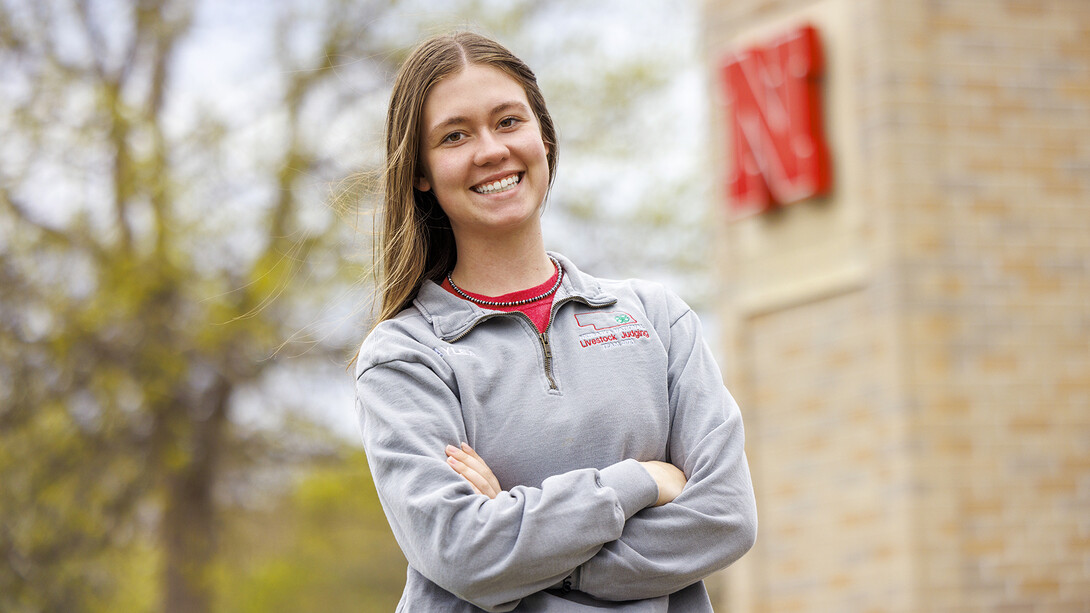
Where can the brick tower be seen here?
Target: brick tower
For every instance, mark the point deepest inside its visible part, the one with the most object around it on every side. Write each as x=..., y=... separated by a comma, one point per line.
x=912, y=350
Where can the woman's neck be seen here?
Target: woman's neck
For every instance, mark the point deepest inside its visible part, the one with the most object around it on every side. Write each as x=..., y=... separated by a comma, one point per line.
x=494, y=269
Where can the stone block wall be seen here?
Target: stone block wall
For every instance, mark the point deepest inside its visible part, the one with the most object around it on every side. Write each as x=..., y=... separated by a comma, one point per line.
x=912, y=353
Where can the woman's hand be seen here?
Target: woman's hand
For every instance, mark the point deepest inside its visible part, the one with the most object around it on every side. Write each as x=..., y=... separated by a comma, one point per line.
x=668, y=477
x=467, y=463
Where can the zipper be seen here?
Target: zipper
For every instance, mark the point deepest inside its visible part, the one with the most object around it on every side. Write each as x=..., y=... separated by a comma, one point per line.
x=475, y=324
x=548, y=359
x=542, y=337
x=543, y=340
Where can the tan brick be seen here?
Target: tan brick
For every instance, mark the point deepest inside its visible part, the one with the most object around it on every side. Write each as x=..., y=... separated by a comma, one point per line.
x=968, y=146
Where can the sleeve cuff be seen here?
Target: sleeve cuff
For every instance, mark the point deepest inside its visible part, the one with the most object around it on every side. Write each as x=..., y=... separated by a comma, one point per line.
x=634, y=486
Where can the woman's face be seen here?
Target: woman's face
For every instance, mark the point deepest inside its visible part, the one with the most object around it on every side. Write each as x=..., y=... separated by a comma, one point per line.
x=482, y=154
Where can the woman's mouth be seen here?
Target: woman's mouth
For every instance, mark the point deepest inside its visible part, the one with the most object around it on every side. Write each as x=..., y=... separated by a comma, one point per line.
x=495, y=187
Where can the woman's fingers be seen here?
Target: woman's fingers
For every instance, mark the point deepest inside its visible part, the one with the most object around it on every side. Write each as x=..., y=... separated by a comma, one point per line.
x=476, y=481
x=473, y=469
x=482, y=467
x=466, y=472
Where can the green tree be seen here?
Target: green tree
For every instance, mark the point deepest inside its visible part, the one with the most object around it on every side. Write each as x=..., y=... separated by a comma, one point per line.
x=158, y=248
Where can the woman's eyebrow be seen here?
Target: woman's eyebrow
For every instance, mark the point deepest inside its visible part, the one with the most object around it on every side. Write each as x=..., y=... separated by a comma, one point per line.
x=503, y=107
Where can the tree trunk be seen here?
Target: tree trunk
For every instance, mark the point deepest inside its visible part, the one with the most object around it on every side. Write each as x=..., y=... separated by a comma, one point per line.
x=189, y=521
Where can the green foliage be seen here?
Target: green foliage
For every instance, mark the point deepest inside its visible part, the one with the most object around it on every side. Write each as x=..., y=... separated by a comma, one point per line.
x=326, y=546
x=133, y=317
x=60, y=544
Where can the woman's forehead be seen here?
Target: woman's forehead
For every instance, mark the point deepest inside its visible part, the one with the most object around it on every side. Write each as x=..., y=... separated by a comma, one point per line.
x=476, y=90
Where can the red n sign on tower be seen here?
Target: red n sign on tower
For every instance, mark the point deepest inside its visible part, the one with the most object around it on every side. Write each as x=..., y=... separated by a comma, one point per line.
x=777, y=142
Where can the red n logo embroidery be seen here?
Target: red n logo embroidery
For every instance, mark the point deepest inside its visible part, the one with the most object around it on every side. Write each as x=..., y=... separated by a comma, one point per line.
x=777, y=139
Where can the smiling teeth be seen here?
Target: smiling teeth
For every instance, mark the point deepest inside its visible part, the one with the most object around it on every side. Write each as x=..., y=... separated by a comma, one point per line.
x=498, y=186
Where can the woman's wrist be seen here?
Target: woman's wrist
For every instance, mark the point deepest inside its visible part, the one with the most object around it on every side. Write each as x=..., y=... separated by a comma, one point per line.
x=668, y=479
x=635, y=487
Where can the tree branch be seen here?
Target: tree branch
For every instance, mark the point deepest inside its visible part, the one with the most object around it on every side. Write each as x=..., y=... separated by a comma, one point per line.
x=57, y=236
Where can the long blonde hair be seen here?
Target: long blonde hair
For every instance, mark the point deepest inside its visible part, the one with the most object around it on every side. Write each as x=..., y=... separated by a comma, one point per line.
x=416, y=241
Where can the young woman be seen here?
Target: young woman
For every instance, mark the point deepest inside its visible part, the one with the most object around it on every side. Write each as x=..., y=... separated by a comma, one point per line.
x=541, y=440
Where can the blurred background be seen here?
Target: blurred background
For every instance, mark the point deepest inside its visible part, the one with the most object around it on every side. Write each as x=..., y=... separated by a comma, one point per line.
x=911, y=350
x=186, y=192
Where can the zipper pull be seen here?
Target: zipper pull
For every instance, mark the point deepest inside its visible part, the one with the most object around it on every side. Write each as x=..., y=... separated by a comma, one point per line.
x=545, y=344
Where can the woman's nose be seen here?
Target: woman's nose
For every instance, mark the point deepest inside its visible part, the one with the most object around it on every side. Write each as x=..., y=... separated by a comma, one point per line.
x=490, y=149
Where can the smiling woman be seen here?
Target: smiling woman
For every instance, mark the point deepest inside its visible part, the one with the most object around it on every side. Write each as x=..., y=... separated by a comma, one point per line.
x=541, y=439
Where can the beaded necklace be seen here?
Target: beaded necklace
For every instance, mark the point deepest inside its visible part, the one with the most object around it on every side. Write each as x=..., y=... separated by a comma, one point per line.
x=513, y=303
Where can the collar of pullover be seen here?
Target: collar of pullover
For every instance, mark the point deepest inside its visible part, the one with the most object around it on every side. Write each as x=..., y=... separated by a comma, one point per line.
x=452, y=316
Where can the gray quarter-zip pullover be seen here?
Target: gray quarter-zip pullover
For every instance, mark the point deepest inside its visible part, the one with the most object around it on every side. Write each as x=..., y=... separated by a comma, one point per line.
x=621, y=375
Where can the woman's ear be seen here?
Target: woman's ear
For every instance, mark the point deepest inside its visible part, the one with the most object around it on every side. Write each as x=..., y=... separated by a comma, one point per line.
x=422, y=184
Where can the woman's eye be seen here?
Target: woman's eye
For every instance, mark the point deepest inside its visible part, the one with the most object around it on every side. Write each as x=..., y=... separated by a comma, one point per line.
x=453, y=137
x=508, y=122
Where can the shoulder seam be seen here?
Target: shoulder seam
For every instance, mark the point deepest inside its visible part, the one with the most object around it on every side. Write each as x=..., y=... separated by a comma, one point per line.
x=678, y=318
x=398, y=359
